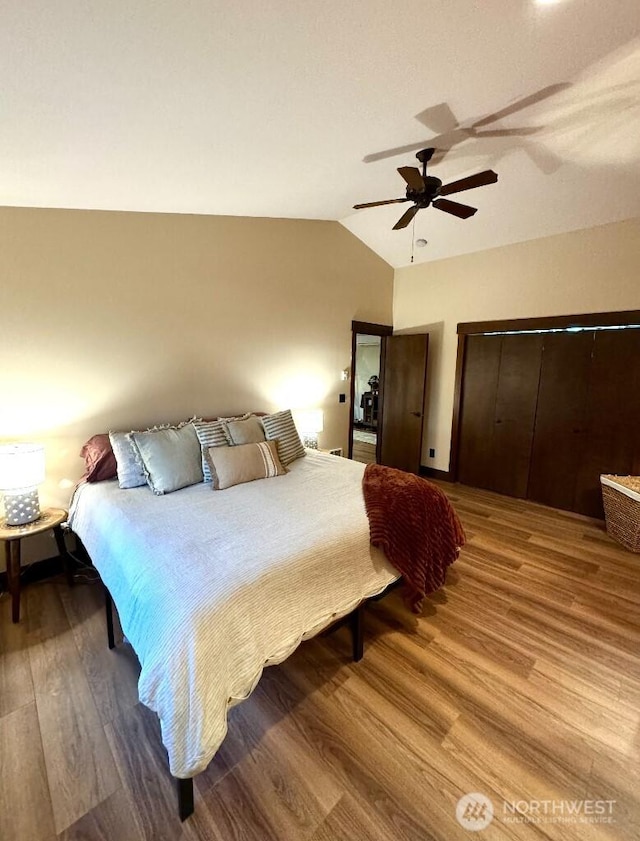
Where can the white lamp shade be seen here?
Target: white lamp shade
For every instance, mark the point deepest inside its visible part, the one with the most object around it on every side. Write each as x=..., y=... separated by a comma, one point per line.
x=309, y=421
x=21, y=466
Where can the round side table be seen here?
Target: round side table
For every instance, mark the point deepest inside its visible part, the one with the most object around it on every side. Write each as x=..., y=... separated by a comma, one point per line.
x=51, y=518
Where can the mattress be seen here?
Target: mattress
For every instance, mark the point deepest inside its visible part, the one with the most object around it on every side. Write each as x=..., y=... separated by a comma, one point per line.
x=212, y=586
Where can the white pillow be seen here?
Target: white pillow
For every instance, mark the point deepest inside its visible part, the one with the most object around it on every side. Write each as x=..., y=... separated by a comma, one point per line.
x=171, y=458
x=130, y=470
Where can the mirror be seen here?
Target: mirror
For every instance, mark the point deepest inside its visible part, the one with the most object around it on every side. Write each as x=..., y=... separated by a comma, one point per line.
x=366, y=397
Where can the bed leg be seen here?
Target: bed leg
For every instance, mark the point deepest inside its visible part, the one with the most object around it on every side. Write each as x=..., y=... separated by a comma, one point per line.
x=185, y=798
x=357, y=632
x=108, y=604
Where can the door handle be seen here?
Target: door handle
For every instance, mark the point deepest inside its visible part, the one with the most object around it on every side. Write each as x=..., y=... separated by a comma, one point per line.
x=417, y=414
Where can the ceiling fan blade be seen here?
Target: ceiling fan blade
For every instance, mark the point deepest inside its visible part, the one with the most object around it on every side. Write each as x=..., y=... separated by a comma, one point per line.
x=411, y=175
x=520, y=104
x=378, y=203
x=406, y=217
x=488, y=176
x=462, y=211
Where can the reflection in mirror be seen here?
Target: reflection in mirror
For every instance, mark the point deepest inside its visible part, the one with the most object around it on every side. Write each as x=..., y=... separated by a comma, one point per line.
x=366, y=397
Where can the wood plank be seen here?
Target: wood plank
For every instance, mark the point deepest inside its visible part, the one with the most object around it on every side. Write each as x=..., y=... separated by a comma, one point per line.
x=112, y=673
x=484, y=753
x=274, y=789
x=376, y=767
x=80, y=768
x=16, y=686
x=473, y=634
x=114, y=818
x=255, y=736
x=350, y=820
x=136, y=744
x=617, y=779
x=25, y=805
x=364, y=452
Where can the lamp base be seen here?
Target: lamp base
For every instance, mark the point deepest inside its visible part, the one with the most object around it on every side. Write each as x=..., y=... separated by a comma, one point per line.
x=310, y=441
x=22, y=507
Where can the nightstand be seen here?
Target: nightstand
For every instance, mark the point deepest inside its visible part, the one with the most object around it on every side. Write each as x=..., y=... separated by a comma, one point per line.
x=51, y=518
x=334, y=451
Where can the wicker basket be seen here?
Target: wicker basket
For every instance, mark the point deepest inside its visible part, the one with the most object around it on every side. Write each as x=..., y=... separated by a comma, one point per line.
x=621, y=498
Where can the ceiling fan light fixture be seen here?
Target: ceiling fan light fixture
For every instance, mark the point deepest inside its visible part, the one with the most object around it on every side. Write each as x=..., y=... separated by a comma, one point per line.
x=421, y=242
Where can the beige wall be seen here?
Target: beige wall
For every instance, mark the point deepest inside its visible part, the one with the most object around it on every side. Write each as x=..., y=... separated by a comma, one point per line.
x=115, y=320
x=595, y=270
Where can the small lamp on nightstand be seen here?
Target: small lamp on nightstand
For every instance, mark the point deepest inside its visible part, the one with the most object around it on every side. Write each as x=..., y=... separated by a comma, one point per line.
x=309, y=423
x=21, y=471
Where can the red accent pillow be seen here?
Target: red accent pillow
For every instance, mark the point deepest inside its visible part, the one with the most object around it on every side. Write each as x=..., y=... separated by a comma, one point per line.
x=99, y=460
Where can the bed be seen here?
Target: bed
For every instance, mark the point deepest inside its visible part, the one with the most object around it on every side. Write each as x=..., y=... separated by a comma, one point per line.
x=211, y=587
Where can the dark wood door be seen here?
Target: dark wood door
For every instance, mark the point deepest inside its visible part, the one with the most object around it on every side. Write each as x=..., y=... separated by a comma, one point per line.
x=561, y=418
x=515, y=413
x=405, y=375
x=500, y=390
x=478, y=406
x=566, y=408
x=611, y=443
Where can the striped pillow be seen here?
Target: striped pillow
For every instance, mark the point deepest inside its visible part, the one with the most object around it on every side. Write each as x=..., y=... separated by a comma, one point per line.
x=243, y=463
x=211, y=434
x=281, y=428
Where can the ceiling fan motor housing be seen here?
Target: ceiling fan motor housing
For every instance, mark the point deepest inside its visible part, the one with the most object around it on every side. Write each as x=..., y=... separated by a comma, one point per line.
x=431, y=191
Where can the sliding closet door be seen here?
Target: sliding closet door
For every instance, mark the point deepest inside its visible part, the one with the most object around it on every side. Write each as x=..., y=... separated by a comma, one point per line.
x=611, y=445
x=544, y=414
x=561, y=419
x=499, y=395
x=480, y=385
x=515, y=412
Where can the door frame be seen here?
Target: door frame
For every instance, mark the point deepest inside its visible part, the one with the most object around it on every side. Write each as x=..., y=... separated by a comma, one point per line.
x=520, y=325
x=368, y=329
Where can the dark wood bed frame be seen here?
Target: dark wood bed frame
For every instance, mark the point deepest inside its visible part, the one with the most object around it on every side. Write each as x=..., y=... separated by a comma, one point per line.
x=355, y=620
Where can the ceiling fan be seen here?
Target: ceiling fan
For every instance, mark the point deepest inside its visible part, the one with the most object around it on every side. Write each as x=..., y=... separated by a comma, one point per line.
x=425, y=190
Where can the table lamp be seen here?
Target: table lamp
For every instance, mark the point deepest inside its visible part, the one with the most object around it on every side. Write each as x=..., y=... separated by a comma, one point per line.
x=21, y=471
x=309, y=423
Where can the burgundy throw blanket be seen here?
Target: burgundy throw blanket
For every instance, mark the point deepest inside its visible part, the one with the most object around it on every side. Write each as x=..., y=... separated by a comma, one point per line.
x=415, y=525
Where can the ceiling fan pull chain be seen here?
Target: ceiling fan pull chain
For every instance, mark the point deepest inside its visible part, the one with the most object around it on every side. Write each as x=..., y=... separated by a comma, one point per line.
x=413, y=237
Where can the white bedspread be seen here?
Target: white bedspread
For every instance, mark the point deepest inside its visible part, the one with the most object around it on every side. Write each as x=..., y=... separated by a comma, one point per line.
x=211, y=586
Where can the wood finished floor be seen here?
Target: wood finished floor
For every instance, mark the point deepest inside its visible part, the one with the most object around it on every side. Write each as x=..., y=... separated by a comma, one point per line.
x=521, y=680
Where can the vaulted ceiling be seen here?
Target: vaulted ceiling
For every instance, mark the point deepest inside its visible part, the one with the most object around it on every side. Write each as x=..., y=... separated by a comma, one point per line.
x=290, y=109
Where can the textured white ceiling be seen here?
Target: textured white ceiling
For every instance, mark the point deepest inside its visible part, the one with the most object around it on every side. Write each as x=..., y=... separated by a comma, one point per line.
x=274, y=109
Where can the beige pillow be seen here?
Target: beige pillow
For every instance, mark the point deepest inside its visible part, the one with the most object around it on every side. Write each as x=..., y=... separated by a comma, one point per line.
x=243, y=463
x=245, y=431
